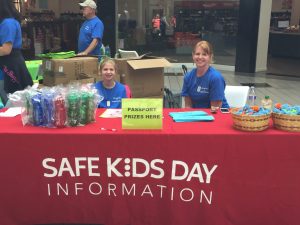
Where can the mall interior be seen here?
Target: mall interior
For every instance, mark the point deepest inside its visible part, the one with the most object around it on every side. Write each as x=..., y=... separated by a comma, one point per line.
x=249, y=37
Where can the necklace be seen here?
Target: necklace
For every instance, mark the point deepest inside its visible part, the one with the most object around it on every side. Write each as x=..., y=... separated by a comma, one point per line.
x=109, y=86
x=108, y=93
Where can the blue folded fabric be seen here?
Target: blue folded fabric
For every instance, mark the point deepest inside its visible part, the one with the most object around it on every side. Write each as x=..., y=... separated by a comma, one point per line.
x=194, y=119
x=188, y=113
x=191, y=116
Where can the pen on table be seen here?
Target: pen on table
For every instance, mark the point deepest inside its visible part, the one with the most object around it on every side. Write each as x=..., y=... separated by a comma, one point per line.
x=108, y=129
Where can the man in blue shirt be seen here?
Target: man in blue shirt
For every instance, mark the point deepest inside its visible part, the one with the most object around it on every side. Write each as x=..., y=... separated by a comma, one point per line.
x=91, y=31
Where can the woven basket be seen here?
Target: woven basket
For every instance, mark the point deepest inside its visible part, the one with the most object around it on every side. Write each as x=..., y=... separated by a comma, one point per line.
x=286, y=122
x=250, y=122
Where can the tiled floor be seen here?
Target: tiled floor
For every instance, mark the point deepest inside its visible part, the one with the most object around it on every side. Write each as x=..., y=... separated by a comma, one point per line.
x=283, y=89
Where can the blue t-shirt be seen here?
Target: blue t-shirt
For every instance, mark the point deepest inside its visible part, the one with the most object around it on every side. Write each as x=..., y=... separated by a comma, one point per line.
x=202, y=90
x=1, y=75
x=90, y=29
x=112, y=98
x=10, y=31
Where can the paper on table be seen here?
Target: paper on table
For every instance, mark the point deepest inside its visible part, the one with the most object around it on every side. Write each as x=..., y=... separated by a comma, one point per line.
x=112, y=113
x=11, y=112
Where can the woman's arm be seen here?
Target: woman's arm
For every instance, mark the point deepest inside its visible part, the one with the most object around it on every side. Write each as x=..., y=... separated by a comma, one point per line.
x=188, y=102
x=216, y=103
x=5, y=49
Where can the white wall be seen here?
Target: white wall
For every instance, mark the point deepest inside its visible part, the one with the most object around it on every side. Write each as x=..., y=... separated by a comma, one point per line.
x=277, y=6
x=263, y=35
x=69, y=6
x=54, y=6
x=60, y=6
x=295, y=12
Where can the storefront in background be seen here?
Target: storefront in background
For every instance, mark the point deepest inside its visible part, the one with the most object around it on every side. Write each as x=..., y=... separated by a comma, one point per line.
x=237, y=29
x=181, y=25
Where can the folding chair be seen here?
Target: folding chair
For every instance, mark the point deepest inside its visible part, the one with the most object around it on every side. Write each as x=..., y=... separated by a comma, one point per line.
x=128, y=91
x=184, y=69
x=236, y=96
x=170, y=100
x=128, y=54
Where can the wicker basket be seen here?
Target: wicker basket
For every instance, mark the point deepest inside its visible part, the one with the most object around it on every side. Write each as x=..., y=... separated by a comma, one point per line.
x=286, y=122
x=250, y=122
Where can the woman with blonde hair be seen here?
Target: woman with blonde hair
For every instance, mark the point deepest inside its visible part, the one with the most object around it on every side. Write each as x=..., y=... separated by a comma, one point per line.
x=204, y=86
x=111, y=90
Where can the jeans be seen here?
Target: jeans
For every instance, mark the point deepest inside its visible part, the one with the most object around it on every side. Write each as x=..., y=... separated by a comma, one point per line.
x=3, y=94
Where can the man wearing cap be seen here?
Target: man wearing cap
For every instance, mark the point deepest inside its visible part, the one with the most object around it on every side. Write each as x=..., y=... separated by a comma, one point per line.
x=91, y=31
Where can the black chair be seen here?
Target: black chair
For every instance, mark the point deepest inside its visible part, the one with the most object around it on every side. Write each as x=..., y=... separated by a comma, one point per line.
x=171, y=101
x=184, y=69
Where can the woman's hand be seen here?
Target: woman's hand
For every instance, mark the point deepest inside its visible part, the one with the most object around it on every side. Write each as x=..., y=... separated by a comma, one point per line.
x=188, y=102
x=5, y=49
x=215, y=104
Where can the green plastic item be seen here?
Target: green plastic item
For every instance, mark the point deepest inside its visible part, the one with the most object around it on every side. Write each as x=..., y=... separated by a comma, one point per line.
x=57, y=55
x=33, y=68
x=1, y=104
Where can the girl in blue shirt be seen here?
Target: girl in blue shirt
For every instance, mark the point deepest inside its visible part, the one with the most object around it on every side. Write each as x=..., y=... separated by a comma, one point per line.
x=12, y=64
x=203, y=87
x=111, y=90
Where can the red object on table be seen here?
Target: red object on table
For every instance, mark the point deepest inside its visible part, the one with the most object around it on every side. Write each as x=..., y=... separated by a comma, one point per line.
x=187, y=174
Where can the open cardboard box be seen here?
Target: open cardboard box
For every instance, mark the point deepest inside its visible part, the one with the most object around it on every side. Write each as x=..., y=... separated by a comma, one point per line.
x=144, y=75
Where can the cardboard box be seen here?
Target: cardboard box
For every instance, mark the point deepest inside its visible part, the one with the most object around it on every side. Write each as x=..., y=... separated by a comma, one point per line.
x=62, y=71
x=144, y=75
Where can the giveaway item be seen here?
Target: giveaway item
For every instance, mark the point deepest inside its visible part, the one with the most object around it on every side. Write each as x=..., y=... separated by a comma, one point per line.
x=48, y=108
x=252, y=118
x=60, y=114
x=286, y=117
x=58, y=106
x=37, y=109
x=73, y=102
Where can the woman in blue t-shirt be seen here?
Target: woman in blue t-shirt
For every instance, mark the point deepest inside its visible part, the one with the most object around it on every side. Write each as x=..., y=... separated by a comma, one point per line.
x=111, y=90
x=204, y=86
x=12, y=64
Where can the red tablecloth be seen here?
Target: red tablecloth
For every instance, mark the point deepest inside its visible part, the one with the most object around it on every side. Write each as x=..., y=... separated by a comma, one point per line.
x=186, y=174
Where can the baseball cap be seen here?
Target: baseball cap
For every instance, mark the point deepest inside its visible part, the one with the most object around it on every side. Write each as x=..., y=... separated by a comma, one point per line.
x=89, y=3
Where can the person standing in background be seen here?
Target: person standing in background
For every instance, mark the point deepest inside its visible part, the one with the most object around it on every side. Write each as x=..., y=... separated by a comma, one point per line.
x=12, y=64
x=91, y=31
x=163, y=25
x=156, y=25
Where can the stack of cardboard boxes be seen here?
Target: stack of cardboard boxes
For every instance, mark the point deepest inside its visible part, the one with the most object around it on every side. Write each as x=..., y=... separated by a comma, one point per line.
x=144, y=75
x=62, y=71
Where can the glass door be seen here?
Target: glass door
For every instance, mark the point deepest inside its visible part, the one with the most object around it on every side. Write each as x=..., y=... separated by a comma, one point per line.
x=170, y=28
